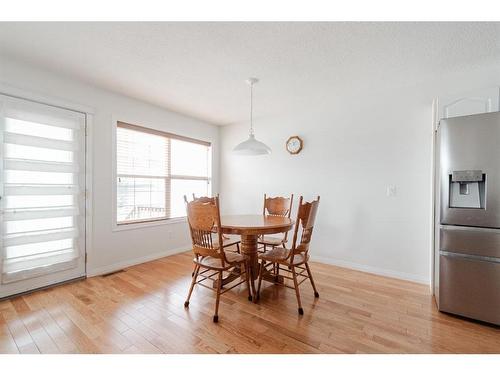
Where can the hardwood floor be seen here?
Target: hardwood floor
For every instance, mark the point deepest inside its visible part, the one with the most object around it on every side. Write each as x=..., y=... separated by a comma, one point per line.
x=141, y=311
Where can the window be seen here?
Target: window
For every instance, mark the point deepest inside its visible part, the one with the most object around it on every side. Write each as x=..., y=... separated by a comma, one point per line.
x=154, y=172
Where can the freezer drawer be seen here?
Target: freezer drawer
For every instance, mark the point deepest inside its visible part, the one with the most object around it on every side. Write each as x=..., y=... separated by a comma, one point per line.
x=469, y=287
x=482, y=242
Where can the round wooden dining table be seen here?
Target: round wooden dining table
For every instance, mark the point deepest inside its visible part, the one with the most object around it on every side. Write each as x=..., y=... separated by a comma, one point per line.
x=250, y=227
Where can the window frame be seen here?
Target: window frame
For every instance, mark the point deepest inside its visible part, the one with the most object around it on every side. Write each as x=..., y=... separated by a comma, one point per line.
x=140, y=223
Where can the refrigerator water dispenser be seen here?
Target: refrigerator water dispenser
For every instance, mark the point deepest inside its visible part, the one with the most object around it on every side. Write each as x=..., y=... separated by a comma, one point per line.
x=467, y=189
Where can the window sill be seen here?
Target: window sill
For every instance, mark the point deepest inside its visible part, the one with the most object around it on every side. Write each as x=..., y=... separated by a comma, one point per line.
x=147, y=224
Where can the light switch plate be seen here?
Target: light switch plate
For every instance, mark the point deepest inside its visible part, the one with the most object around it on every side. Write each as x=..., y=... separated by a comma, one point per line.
x=391, y=191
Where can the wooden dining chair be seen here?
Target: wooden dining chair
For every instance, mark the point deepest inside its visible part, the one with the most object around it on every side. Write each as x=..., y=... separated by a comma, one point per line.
x=210, y=259
x=277, y=206
x=228, y=240
x=293, y=261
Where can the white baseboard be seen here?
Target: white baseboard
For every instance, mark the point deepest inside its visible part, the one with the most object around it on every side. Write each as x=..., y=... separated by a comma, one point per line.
x=369, y=269
x=132, y=262
x=336, y=262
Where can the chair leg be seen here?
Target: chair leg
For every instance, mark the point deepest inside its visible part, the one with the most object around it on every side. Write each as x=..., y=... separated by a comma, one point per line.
x=261, y=272
x=192, y=273
x=316, y=294
x=193, y=281
x=247, y=280
x=297, y=293
x=219, y=285
x=274, y=267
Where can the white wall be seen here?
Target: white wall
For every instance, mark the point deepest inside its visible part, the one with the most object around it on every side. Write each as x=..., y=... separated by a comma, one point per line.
x=110, y=249
x=354, y=147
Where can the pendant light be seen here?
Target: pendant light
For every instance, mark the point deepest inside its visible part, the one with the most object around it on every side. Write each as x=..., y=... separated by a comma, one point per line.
x=251, y=146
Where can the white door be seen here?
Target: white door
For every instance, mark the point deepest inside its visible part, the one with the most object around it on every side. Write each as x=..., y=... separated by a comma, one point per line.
x=42, y=189
x=471, y=103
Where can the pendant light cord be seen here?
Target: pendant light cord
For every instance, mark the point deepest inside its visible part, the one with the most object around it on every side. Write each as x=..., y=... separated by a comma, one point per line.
x=251, y=108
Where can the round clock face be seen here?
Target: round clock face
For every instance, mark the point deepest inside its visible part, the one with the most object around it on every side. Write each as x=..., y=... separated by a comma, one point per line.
x=294, y=145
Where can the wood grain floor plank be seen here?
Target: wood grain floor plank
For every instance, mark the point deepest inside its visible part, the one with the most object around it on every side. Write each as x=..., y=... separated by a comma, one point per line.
x=41, y=338
x=7, y=343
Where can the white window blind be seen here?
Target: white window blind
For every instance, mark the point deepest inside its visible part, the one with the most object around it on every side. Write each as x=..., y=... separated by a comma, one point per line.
x=155, y=170
x=43, y=203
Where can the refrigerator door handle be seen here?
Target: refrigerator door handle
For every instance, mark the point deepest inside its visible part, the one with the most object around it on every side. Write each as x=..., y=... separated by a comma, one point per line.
x=471, y=257
x=459, y=228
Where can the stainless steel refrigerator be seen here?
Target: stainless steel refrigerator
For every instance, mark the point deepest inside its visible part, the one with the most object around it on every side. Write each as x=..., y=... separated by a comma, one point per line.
x=467, y=255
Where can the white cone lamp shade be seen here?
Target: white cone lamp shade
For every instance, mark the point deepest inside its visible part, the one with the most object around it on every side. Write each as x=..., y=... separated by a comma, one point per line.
x=251, y=146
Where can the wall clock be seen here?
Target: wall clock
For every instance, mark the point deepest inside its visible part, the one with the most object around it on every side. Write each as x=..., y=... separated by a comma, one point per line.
x=294, y=144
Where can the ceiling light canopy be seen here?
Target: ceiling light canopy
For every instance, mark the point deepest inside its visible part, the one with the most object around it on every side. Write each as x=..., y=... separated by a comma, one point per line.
x=251, y=146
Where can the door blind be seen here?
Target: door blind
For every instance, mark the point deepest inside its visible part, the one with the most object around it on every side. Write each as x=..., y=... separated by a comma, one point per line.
x=43, y=205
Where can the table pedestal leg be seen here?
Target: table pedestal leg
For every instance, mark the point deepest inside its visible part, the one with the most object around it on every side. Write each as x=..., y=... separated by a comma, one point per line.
x=249, y=248
x=274, y=276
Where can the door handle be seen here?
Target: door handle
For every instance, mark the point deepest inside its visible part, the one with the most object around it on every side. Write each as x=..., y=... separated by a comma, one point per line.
x=478, y=258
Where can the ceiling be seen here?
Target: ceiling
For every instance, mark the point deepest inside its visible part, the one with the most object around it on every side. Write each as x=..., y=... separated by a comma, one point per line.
x=199, y=68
